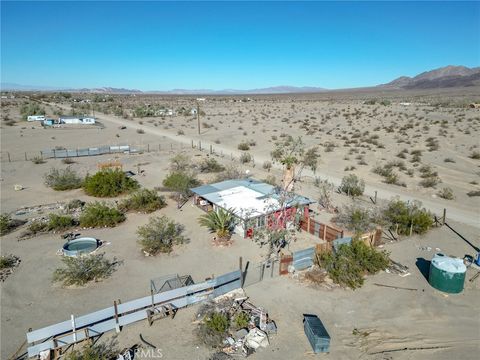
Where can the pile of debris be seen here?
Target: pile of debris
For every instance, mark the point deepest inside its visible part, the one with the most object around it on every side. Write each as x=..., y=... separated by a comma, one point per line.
x=397, y=268
x=315, y=277
x=248, y=329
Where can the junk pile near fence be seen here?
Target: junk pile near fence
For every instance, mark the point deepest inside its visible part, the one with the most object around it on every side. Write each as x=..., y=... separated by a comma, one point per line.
x=241, y=338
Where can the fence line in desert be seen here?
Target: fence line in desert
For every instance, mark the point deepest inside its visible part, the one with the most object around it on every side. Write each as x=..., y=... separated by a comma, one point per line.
x=63, y=153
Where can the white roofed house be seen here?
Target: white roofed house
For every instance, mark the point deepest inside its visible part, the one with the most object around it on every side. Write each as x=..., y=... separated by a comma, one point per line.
x=36, y=118
x=255, y=204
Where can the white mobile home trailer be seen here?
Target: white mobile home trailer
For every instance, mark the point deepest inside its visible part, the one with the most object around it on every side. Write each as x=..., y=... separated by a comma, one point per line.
x=36, y=118
x=76, y=120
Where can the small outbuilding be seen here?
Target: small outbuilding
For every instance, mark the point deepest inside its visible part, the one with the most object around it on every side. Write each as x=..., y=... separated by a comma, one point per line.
x=255, y=204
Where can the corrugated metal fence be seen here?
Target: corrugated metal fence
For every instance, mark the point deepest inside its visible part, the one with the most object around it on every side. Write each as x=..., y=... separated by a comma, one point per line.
x=93, y=324
x=303, y=259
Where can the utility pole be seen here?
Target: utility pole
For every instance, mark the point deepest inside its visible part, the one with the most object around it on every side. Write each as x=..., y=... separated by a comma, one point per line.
x=198, y=113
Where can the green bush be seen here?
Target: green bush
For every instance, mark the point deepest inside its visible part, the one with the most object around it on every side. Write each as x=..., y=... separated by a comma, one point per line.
x=159, y=235
x=63, y=179
x=348, y=265
x=109, y=183
x=409, y=214
x=217, y=322
x=31, y=108
x=243, y=146
x=99, y=214
x=8, y=261
x=213, y=329
x=210, y=165
x=60, y=222
x=83, y=269
x=5, y=221
x=356, y=219
x=143, y=200
x=352, y=185
x=241, y=320
x=180, y=183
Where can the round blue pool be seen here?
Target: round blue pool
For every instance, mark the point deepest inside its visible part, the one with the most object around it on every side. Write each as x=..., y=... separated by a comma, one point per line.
x=80, y=246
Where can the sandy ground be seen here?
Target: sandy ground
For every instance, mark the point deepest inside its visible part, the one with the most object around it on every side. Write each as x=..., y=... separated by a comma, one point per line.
x=400, y=318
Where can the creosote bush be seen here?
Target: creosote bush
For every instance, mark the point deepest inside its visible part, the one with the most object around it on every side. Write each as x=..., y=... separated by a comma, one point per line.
x=109, y=183
x=210, y=165
x=61, y=180
x=143, y=200
x=160, y=235
x=99, y=214
x=352, y=185
x=348, y=265
x=180, y=182
x=446, y=193
x=83, y=269
x=213, y=329
x=409, y=214
x=8, y=261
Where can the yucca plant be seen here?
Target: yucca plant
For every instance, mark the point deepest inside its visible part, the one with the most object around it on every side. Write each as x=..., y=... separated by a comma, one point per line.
x=220, y=221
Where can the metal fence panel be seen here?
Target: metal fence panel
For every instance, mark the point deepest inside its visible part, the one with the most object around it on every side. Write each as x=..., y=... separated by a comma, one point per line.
x=303, y=259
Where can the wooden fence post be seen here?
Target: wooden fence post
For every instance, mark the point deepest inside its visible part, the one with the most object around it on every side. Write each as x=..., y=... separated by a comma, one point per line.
x=324, y=232
x=211, y=150
x=375, y=197
x=192, y=144
x=444, y=216
x=411, y=229
x=148, y=147
x=25, y=156
x=9, y=160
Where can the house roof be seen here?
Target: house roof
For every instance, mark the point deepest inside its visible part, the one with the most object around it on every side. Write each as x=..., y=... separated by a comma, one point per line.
x=247, y=197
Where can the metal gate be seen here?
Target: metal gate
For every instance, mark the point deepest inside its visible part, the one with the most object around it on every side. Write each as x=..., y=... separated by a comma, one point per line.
x=255, y=273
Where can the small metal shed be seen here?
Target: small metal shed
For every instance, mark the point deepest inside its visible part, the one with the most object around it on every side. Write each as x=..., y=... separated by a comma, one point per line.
x=316, y=333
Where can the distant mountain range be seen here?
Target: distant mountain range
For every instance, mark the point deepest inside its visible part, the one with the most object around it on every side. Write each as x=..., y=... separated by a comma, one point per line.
x=445, y=77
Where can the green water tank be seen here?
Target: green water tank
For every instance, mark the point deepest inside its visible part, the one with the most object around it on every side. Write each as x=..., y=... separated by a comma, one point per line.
x=447, y=274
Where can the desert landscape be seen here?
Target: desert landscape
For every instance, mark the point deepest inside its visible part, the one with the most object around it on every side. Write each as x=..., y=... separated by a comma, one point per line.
x=226, y=180
x=356, y=132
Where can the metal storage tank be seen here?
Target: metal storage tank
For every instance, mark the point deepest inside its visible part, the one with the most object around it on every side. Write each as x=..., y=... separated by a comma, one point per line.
x=447, y=274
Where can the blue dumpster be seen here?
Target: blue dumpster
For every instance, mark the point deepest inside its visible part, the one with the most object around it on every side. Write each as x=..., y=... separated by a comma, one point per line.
x=316, y=334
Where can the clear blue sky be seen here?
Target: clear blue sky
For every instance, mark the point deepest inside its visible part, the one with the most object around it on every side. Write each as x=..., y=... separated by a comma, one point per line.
x=218, y=45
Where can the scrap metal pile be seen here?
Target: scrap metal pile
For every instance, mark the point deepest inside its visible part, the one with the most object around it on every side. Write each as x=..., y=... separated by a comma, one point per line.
x=242, y=337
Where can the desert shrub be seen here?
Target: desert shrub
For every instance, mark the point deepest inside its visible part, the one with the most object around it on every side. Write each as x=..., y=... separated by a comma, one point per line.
x=270, y=179
x=430, y=182
x=99, y=214
x=231, y=172
x=267, y=165
x=38, y=160
x=408, y=214
x=140, y=131
x=109, y=183
x=449, y=160
x=473, y=193
x=352, y=185
x=60, y=222
x=245, y=158
x=31, y=108
x=210, y=165
x=180, y=162
x=180, y=183
x=475, y=155
x=97, y=351
x=356, y=218
x=83, y=269
x=446, y=193
x=160, y=235
x=213, y=329
x=241, y=320
x=348, y=265
x=180, y=132
x=68, y=161
x=61, y=180
x=244, y=146
x=143, y=200
x=74, y=205
x=325, y=190
x=8, y=261
x=5, y=224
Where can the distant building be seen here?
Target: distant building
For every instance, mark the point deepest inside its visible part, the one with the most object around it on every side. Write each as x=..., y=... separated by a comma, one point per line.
x=36, y=118
x=86, y=120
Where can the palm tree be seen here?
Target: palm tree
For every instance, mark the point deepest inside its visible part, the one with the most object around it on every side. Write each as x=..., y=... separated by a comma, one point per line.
x=219, y=221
